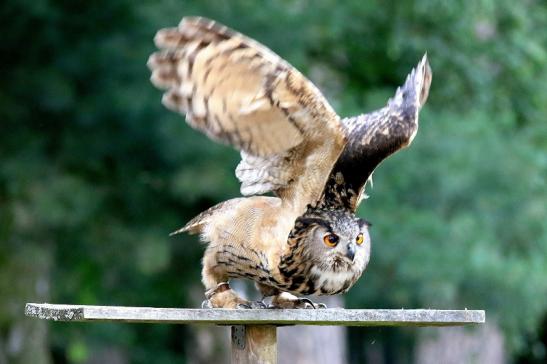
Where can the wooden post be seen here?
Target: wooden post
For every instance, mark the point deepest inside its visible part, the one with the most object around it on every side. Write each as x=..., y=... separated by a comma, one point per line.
x=254, y=344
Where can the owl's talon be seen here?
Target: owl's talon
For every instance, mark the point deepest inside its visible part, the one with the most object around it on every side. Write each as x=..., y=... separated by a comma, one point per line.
x=252, y=305
x=310, y=304
x=243, y=306
x=260, y=304
x=206, y=304
x=306, y=303
x=286, y=300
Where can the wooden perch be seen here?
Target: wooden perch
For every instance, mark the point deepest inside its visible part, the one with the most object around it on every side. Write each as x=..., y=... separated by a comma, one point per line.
x=324, y=317
x=254, y=337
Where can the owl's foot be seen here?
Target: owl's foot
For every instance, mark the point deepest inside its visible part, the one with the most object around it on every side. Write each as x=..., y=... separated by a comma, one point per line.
x=287, y=300
x=223, y=297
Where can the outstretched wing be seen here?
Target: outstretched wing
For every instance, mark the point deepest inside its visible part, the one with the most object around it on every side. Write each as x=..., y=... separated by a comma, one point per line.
x=374, y=137
x=239, y=92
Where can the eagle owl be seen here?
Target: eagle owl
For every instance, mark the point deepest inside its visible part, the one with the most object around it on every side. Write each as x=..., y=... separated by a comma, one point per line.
x=305, y=239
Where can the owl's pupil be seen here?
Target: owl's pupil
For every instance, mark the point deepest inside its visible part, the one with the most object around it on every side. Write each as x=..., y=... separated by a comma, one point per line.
x=331, y=239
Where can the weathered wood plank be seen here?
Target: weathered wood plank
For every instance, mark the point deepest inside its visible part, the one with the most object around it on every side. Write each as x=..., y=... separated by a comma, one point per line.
x=324, y=317
x=254, y=344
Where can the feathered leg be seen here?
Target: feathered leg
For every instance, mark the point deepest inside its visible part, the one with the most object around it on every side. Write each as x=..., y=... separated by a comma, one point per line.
x=217, y=290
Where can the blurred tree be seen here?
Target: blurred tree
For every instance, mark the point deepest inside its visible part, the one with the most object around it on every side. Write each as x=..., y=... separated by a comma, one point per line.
x=94, y=172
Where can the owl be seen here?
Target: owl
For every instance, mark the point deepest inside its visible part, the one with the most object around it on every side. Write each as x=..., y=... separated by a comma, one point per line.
x=305, y=239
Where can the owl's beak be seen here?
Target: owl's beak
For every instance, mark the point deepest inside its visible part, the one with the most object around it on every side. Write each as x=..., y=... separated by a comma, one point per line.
x=351, y=252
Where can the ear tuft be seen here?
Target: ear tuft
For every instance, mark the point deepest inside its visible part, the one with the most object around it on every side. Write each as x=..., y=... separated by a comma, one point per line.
x=363, y=223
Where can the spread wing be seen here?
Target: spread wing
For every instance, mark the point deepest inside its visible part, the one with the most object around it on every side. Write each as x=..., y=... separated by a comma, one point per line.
x=239, y=92
x=375, y=136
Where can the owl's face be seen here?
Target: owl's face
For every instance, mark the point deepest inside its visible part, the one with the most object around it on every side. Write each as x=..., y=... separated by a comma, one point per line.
x=330, y=249
x=336, y=244
x=337, y=238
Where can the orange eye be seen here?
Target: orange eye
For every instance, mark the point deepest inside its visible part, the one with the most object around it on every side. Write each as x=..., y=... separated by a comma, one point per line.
x=359, y=239
x=331, y=240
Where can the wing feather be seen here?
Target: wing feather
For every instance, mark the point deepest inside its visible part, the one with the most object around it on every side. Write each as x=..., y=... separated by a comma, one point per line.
x=375, y=136
x=238, y=92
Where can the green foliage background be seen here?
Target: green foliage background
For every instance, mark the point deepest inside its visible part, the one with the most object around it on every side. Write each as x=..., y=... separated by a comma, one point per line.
x=95, y=172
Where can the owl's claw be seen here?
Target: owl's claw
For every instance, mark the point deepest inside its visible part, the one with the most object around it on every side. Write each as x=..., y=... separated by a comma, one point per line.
x=306, y=302
x=252, y=305
x=206, y=304
x=287, y=300
x=310, y=304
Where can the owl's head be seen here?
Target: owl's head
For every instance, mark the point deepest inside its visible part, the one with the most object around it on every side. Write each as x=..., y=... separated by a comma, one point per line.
x=334, y=239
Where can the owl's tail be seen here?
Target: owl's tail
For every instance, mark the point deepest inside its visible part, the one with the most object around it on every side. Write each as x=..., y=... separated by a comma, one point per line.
x=197, y=224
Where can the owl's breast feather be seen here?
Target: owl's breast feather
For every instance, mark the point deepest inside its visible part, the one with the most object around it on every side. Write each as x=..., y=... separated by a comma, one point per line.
x=329, y=282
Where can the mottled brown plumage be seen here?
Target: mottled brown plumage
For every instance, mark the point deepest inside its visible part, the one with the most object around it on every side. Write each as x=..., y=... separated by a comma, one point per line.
x=375, y=136
x=239, y=92
x=306, y=239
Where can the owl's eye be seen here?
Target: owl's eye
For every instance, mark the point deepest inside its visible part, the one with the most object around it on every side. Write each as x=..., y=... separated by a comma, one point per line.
x=331, y=240
x=359, y=239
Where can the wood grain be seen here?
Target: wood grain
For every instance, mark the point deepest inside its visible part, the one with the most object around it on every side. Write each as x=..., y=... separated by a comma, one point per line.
x=322, y=317
x=259, y=344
